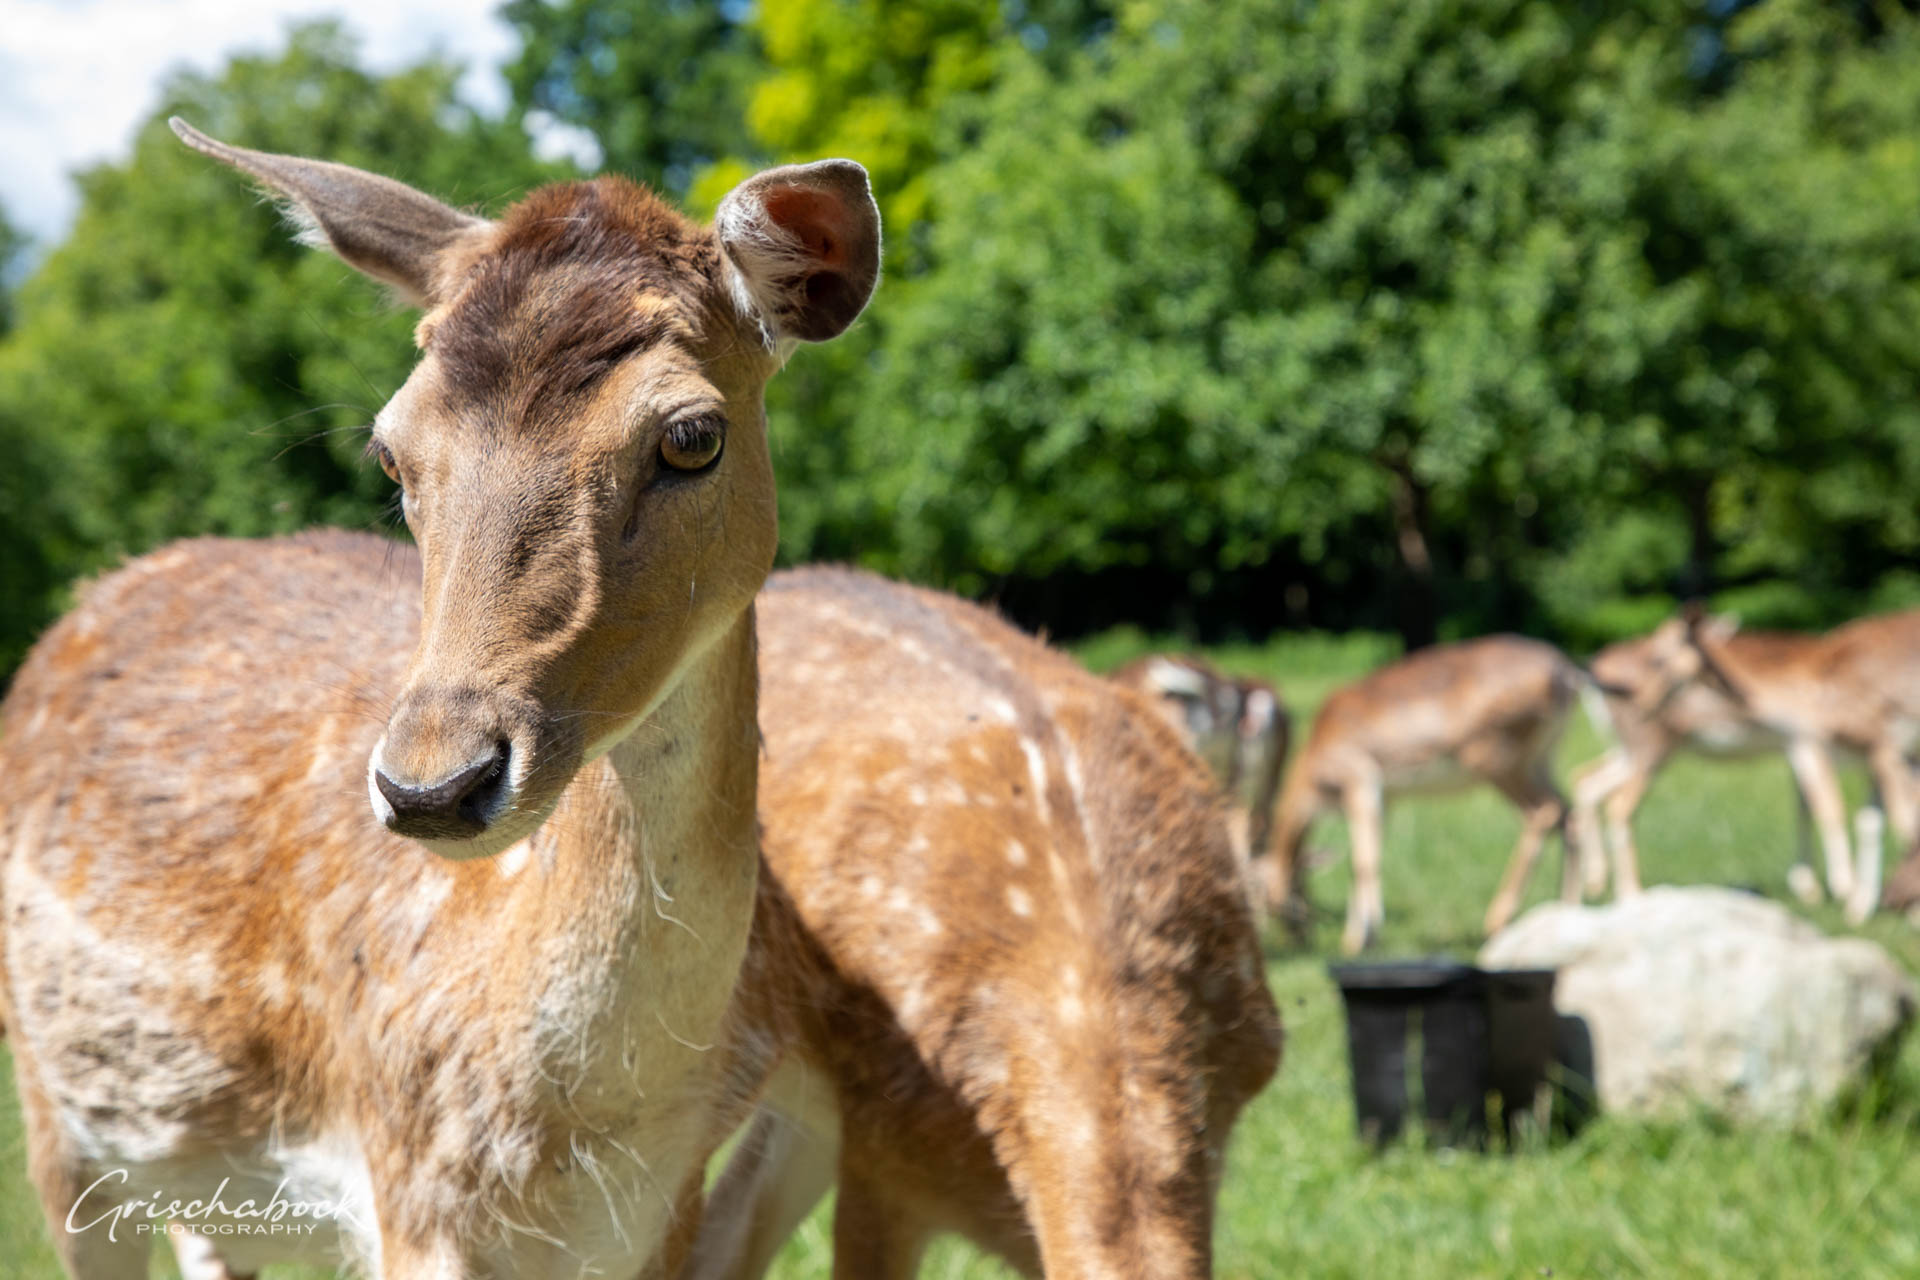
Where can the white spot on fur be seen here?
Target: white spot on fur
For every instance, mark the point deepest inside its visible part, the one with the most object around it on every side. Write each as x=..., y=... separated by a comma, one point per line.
x=1019, y=902
x=1016, y=853
x=899, y=900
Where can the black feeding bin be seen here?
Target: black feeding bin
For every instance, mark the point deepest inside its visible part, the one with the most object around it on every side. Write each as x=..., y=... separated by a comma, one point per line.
x=1478, y=1033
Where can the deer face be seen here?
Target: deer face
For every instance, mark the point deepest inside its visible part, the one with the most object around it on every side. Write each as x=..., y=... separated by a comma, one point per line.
x=582, y=456
x=1678, y=654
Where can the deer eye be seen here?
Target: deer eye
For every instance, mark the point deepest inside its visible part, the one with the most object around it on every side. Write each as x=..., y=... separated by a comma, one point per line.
x=694, y=444
x=384, y=456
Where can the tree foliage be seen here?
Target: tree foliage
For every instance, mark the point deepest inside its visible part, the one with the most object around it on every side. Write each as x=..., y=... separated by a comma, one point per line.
x=1440, y=316
x=180, y=365
x=1447, y=316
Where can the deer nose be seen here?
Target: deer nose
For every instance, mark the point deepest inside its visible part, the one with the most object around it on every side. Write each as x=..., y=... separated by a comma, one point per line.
x=456, y=807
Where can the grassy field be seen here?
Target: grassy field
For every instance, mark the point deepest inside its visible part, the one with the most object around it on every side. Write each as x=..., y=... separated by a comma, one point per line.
x=1834, y=1197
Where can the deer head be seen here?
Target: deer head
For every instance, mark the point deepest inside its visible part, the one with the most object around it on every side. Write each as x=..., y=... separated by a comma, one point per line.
x=581, y=451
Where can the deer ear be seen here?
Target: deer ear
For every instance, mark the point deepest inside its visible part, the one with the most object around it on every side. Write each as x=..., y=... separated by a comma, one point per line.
x=378, y=226
x=1721, y=627
x=802, y=245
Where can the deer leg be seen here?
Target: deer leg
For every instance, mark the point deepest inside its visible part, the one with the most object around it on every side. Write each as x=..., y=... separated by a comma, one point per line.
x=1593, y=785
x=1543, y=810
x=199, y=1258
x=1813, y=769
x=1894, y=804
x=775, y=1177
x=1899, y=792
x=91, y=1244
x=87, y=1234
x=1620, y=807
x=1869, y=833
x=1366, y=907
x=873, y=1237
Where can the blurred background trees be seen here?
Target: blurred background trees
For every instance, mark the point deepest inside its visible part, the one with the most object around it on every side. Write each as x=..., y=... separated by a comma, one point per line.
x=1221, y=315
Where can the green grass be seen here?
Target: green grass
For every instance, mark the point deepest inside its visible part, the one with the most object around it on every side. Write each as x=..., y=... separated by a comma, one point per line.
x=1831, y=1197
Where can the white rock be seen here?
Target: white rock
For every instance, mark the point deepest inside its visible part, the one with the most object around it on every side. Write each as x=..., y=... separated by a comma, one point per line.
x=1710, y=997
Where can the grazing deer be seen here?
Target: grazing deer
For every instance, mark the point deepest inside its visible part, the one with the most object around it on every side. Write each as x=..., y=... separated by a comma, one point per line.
x=1854, y=691
x=1028, y=999
x=1239, y=727
x=417, y=886
x=1489, y=710
x=1665, y=693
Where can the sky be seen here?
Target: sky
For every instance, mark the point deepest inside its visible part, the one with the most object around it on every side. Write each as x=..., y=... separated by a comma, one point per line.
x=77, y=76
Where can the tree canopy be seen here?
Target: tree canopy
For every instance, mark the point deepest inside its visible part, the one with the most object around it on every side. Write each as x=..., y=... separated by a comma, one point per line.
x=180, y=365
x=1438, y=317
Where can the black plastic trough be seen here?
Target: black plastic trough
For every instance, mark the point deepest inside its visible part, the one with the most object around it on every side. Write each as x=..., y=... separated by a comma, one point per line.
x=1480, y=1032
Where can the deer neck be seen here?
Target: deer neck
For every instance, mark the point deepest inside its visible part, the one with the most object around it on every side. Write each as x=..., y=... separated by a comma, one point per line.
x=647, y=883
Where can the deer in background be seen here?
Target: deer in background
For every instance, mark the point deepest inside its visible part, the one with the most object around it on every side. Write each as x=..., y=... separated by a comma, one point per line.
x=1027, y=997
x=1854, y=691
x=1666, y=693
x=1238, y=726
x=1488, y=711
x=420, y=885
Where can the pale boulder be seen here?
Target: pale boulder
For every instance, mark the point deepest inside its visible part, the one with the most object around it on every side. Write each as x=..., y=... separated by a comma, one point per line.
x=1706, y=997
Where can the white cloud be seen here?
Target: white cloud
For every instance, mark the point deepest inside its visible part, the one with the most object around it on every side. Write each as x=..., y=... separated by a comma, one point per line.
x=77, y=76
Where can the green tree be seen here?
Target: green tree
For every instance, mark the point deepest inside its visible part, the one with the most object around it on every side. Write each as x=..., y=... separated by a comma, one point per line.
x=1469, y=313
x=182, y=365
x=661, y=84
x=13, y=246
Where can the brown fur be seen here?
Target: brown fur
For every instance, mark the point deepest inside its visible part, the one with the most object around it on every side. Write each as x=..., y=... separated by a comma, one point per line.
x=510, y=1050
x=1238, y=726
x=1033, y=995
x=1853, y=691
x=1489, y=710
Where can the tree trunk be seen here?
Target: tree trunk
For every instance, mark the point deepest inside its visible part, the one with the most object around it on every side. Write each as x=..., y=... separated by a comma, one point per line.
x=1416, y=604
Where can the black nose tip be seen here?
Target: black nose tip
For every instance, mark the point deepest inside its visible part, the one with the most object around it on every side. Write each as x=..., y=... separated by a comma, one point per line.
x=453, y=809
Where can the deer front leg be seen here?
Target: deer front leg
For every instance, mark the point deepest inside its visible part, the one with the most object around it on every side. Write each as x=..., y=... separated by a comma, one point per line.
x=199, y=1258
x=1899, y=789
x=780, y=1170
x=1620, y=808
x=1813, y=770
x=873, y=1237
x=1869, y=832
x=1366, y=906
x=90, y=1240
x=1592, y=787
x=1895, y=804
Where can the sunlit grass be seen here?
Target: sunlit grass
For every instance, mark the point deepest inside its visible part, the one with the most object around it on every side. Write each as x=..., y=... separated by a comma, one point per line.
x=1302, y=1198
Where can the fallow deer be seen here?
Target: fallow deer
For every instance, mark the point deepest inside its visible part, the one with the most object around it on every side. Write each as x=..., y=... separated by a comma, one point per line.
x=1664, y=694
x=1489, y=710
x=418, y=886
x=1027, y=997
x=1237, y=725
x=1853, y=691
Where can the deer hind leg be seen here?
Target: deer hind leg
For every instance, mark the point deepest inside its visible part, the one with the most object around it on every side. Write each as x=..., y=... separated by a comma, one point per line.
x=1813, y=769
x=779, y=1172
x=1544, y=811
x=1366, y=906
